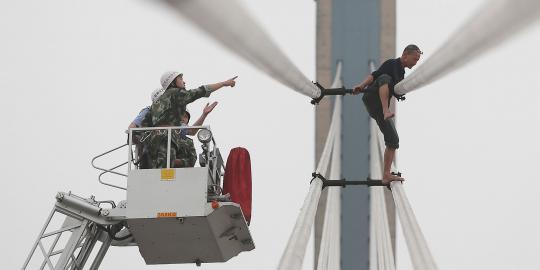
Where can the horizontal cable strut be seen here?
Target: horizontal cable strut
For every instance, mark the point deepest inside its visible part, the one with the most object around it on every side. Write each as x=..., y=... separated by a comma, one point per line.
x=344, y=183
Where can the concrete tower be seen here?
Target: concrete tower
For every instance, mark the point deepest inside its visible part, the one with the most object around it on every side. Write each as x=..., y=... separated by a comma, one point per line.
x=354, y=32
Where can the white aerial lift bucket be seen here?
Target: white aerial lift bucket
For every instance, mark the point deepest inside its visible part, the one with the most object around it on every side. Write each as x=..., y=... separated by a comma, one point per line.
x=172, y=221
x=176, y=215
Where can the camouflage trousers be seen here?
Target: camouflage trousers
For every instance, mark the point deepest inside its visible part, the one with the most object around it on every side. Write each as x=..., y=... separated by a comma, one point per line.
x=182, y=150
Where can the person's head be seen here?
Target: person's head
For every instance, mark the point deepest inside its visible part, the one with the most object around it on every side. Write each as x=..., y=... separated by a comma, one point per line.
x=156, y=94
x=186, y=117
x=179, y=82
x=172, y=79
x=411, y=55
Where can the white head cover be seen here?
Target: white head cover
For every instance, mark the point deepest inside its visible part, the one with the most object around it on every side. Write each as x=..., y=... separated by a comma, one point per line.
x=168, y=77
x=189, y=116
x=156, y=94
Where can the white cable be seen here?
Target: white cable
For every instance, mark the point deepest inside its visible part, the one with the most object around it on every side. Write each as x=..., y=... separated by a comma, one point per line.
x=418, y=249
x=334, y=201
x=495, y=22
x=378, y=234
x=386, y=241
x=334, y=256
x=381, y=243
x=331, y=220
x=381, y=228
x=337, y=82
x=373, y=255
x=293, y=255
x=230, y=23
x=328, y=257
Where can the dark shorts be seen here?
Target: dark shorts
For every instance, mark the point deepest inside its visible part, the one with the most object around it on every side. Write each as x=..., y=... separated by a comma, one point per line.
x=372, y=101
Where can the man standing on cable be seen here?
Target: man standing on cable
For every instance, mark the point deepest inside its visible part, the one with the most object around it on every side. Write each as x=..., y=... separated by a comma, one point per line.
x=378, y=89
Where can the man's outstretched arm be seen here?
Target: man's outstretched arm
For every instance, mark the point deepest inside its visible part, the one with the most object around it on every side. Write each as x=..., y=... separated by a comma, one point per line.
x=216, y=86
x=205, y=91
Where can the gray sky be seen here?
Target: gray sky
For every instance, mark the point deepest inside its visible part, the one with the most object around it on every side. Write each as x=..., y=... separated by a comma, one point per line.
x=468, y=147
x=75, y=74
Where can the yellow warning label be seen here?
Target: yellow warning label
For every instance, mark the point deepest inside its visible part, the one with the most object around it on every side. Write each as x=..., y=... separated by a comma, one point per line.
x=167, y=174
x=166, y=214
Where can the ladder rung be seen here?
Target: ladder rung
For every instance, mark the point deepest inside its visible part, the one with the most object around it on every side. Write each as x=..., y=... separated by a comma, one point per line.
x=60, y=231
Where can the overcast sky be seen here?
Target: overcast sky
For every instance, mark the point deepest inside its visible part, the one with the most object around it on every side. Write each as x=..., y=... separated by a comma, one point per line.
x=73, y=75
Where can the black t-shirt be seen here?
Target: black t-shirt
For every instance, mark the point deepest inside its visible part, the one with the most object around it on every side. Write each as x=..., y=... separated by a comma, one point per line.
x=392, y=68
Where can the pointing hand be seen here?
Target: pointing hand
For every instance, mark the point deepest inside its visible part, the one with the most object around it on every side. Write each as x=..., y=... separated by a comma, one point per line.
x=230, y=82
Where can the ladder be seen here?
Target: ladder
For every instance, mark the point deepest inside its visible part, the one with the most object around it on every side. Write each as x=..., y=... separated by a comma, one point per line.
x=87, y=225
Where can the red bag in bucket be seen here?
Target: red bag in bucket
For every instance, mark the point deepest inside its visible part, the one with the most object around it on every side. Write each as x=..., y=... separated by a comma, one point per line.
x=237, y=179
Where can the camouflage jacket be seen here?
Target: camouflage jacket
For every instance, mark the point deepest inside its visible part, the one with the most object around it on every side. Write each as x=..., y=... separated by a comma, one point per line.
x=169, y=108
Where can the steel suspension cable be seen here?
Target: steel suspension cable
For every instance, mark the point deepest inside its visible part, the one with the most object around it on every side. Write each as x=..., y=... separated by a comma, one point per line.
x=380, y=229
x=329, y=250
x=293, y=255
x=494, y=23
x=381, y=252
x=373, y=255
x=330, y=233
x=421, y=256
x=386, y=241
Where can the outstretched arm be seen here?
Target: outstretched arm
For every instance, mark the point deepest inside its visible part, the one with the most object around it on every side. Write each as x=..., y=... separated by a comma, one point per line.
x=367, y=81
x=216, y=86
x=204, y=91
x=206, y=111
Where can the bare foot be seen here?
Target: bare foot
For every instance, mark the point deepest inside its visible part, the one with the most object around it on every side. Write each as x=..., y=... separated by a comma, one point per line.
x=388, y=177
x=388, y=115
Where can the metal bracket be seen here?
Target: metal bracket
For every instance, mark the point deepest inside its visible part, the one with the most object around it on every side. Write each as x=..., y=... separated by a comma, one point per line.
x=344, y=183
x=400, y=97
x=329, y=92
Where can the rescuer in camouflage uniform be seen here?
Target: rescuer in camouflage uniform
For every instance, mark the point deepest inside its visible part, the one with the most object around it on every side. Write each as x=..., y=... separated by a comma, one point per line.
x=167, y=111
